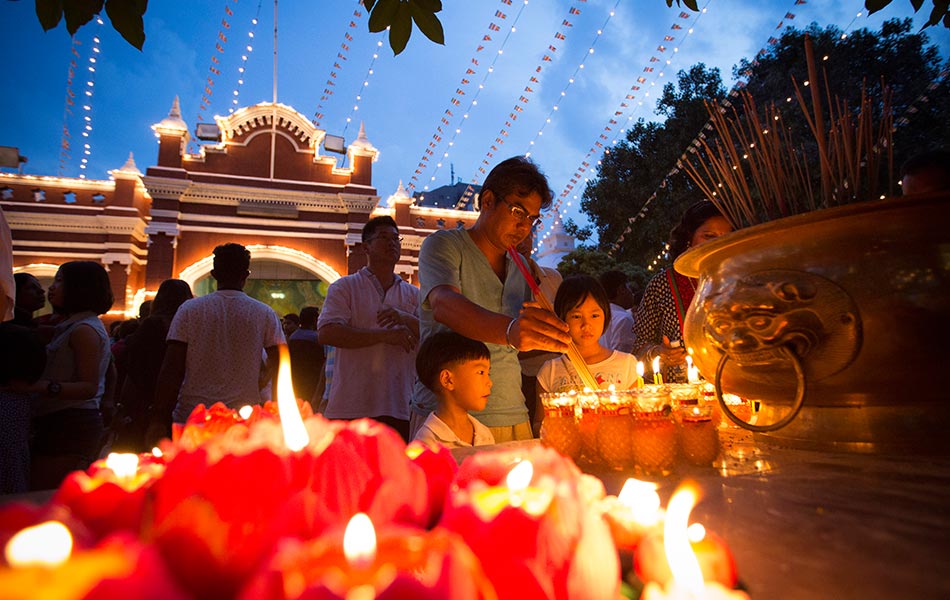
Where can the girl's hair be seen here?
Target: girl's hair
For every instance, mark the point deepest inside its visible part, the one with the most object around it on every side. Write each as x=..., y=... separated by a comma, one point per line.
x=574, y=290
x=692, y=219
x=171, y=294
x=85, y=287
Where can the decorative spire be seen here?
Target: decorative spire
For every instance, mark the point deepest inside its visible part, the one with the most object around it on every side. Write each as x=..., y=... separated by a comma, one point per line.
x=173, y=123
x=129, y=169
x=362, y=144
x=400, y=196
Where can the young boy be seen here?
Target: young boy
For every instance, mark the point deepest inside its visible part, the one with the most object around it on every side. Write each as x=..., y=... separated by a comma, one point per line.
x=455, y=368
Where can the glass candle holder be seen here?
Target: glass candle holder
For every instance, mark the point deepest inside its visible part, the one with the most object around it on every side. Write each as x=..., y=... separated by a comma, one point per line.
x=588, y=415
x=559, y=427
x=653, y=432
x=685, y=395
x=614, y=429
x=698, y=435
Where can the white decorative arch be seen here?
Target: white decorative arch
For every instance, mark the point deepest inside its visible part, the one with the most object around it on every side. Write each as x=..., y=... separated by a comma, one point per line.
x=38, y=269
x=201, y=268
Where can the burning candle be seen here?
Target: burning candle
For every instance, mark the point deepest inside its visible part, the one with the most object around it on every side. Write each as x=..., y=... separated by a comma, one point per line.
x=632, y=513
x=395, y=562
x=692, y=372
x=685, y=561
x=641, y=370
x=657, y=376
x=295, y=434
x=559, y=427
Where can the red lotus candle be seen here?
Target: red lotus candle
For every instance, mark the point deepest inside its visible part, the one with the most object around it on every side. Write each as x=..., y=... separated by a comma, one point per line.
x=685, y=561
x=110, y=495
x=392, y=563
x=537, y=537
x=42, y=563
x=440, y=468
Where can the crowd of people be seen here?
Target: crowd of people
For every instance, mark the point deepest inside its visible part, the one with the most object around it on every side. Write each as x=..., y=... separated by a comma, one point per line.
x=461, y=360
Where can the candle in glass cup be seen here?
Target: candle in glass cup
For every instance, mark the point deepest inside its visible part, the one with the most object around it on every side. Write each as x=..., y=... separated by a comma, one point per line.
x=588, y=411
x=698, y=436
x=614, y=430
x=657, y=375
x=559, y=428
x=653, y=433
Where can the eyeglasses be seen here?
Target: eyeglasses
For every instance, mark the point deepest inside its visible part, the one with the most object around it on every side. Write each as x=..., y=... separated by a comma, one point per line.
x=396, y=239
x=521, y=214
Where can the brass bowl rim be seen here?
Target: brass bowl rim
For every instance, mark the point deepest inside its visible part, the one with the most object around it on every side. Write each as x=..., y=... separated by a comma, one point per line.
x=689, y=262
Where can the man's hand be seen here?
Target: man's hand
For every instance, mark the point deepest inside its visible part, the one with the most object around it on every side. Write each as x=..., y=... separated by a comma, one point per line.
x=400, y=336
x=390, y=317
x=539, y=329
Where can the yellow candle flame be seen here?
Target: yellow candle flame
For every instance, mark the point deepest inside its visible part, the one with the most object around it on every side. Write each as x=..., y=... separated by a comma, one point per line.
x=641, y=370
x=656, y=364
x=295, y=434
x=518, y=480
x=696, y=532
x=48, y=544
x=157, y=452
x=245, y=412
x=359, y=541
x=683, y=562
x=642, y=500
x=124, y=465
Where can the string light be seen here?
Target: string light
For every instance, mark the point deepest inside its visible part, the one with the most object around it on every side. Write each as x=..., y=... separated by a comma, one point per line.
x=359, y=96
x=341, y=55
x=464, y=84
x=242, y=70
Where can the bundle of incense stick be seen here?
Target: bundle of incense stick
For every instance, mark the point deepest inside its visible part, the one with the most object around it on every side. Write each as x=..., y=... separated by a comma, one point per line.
x=755, y=172
x=572, y=353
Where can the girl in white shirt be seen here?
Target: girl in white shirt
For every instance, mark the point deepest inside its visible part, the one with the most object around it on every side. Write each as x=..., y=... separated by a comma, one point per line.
x=582, y=303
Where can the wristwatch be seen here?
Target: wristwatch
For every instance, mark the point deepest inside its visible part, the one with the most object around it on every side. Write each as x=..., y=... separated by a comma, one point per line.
x=53, y=388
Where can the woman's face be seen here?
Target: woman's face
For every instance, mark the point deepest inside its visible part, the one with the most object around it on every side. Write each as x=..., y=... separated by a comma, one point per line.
x=711, y=228
x=56, y=294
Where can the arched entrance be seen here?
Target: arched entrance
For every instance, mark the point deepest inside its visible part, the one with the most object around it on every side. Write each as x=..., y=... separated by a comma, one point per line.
x=283, y=278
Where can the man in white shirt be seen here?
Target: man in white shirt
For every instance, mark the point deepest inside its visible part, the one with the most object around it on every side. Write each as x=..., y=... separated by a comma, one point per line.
x=371, y=319
x=215, y=343
x=619, y=335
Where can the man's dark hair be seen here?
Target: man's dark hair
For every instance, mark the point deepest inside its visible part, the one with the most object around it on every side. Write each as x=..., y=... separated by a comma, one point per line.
x=612, y=282
x=171, y=294
x=86, y=286
x=443, y=350
x=376, y=223
x=518, y=176
x=231, y=261
x=309, y=316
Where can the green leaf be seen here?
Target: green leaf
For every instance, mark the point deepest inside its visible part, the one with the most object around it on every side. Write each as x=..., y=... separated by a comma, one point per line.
x=368, y=4
x=382, y=15
x=939, y=11
x=401, y=28
x=692, y=5
x=80, y=12
x=126, y=17
x=875, y=5
x=428, y=23
x=432, y=6
x=917, y=4
x=49, y=13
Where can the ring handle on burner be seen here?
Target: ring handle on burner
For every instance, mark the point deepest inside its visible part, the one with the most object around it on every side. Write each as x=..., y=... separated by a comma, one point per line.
x=792, y=413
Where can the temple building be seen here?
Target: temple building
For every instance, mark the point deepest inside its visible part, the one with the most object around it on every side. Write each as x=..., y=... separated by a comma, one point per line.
x=263, y=183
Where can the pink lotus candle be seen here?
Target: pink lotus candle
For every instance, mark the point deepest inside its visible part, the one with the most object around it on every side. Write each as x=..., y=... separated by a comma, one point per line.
x=392, y=563
x=110, y=495
x=537, y=536
x=633, y=513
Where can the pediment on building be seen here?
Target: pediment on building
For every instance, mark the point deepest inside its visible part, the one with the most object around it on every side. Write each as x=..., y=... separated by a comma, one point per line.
x=246, y=122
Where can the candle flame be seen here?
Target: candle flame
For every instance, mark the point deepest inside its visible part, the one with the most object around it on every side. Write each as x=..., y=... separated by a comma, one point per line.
x=359, y=541
x=683, y=562
x=295, y=434
x=519, y=477
x=157, y=452
x=124, y=465
x=48, y=544
x=689, y=361
x=245, y=412
x=656, y=364
x=642, y=500
x=696, y=533
x=641, y=370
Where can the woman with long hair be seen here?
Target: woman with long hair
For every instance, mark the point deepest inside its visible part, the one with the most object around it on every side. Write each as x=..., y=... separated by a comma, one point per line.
x=659, y=320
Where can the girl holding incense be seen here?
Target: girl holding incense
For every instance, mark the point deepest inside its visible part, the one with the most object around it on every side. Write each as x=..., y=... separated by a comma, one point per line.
x=582, y=303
